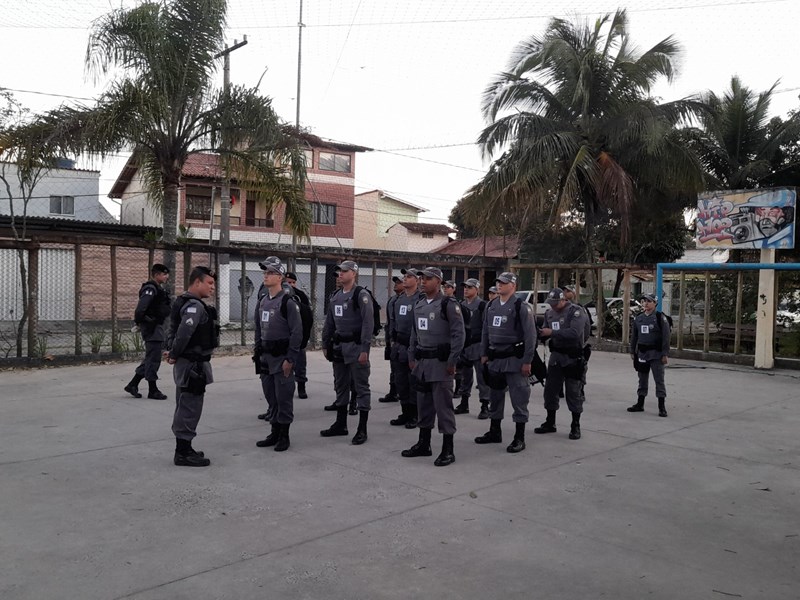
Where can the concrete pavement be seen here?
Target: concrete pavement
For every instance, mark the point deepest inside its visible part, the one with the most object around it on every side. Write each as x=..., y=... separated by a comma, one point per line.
x=703, y=504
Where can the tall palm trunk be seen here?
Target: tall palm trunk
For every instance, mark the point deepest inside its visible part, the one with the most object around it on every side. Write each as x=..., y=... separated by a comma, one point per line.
x=170, y=216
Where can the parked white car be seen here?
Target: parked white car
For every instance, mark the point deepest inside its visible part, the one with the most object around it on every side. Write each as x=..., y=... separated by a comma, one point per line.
x=615, y=303
x=537, y=299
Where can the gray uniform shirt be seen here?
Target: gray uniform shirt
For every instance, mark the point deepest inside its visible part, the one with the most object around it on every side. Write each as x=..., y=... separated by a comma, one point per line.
x=472, y=351
x=430, y=330
x=343, y=318
x=272, y=326
x=569, y=332
x=646, y=331
x=501, y=332
x=193, y=314
x=152, y=331
x=401, y=325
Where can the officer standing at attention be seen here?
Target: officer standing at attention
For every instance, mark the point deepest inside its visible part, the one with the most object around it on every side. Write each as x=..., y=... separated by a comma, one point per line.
x=279, y=334
x=571, y=295
x=301, y=365
x=565, y=326
x=398, y=289
x=650, y=346
x=401, y=325
x=194, y=335
x=151, y=312
x=471, y=355
x=437, y=339
x=449, y=290
x=507, y=346
x=346, y=339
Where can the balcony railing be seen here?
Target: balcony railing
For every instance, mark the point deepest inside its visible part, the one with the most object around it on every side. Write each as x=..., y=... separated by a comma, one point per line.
x=248, y=222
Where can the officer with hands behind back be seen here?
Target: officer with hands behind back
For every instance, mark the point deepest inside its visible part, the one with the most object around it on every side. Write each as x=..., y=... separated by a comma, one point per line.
x=507, y=347
x=650, y=350
x=401, y=324
x=193, y=336
x=437, y=339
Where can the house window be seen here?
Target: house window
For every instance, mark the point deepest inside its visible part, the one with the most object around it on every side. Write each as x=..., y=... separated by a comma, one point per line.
x=427, y=235
x=198, y=208
x=323, y=214
x=328, y=161
x=543, y=279
x=308, y=156
x=62, y=205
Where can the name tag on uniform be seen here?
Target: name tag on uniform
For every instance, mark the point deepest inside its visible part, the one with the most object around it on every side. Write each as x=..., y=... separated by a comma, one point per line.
x=404, y=310
x=555, y=326
x=265, y=316
x=645, y=329
x=497, y=321
x=422, y=324
x=191, y=309
x=338, y=310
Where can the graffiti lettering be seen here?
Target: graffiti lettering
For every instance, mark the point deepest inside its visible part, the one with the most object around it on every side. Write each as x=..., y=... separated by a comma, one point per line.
x=715, y=229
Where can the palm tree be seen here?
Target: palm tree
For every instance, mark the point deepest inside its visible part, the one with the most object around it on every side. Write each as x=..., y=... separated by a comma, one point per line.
x=740, y=146
x=575, y=131
x=162, y=105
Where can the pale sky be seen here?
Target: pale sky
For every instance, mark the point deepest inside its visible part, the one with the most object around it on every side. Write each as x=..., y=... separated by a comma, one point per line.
x=405, y=78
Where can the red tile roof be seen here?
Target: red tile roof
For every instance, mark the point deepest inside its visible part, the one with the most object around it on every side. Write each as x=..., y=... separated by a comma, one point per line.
x=494, y=246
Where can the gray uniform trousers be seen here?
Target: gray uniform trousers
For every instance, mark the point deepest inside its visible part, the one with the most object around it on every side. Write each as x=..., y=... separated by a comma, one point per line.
x=188, y=406
x=437, y=405
x=404, y=382
x=519, y=390
x=301, y=367
x=467, y=379
x=556, y=381
x=279, y=392
x=148, y=369
x=345, y=374
x=657, y=369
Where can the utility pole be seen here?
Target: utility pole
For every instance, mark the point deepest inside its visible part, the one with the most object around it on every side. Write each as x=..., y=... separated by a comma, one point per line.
x=224, y=275
x=300, y=26
x=225, y=198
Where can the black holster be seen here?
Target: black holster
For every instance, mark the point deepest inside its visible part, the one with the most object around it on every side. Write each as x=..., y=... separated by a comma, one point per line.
x=640, y=366
x=197, y=379
x=495, y=380
x=275, y=347
x=575, y=370
x=257, y=360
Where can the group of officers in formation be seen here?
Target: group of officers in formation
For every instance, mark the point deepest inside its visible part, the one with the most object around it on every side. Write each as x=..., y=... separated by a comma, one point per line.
x=438, y=348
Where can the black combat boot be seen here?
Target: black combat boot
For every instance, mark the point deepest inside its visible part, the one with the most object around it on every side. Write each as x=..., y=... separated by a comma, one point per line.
x=484, y=414
x=518, y=443
x=493, y=436
x=463, y=408
x=575, y=427
x=301, y=390
x=422, y=447
x=639, y=406
x=133, y=386
x=549, y=425
x=662, y=409
x=283, y=441
x=155, y=393
x=263, y=416
x=412, y=417
x=185, y=455
x=272, y=438
x=361, y=433
x=339, y=427
x=331, y=407
x=446, y=457
x=402, y=418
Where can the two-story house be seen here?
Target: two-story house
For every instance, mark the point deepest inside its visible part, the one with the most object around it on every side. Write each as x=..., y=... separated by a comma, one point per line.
x=376, y=211
x=329, y=189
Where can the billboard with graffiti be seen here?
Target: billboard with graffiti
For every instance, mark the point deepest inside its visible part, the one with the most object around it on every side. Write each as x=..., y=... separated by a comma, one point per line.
x=746, y=219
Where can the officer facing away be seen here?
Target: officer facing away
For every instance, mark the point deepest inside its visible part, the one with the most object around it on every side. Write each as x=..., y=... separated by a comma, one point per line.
x=650, y=350
x=346, y=339
x=565, y=326
x=194, y=335
x=401, y=324
x=387, y=354
x=279, y=334
x=437, y=339
x=151, y=312
x=471, y=355
x=507, y=346
x=301, y=365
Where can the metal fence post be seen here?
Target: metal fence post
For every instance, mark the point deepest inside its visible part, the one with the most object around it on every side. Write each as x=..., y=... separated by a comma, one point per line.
x=33, y=298
x=707, y=314
x=681, y=310
x=77, y=299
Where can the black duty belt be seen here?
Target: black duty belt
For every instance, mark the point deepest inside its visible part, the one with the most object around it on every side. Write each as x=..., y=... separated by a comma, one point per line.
x=517, y=351
x=339, y=338
x=571, y=352
x=404, y=339
x=422, y=353
x=646, y=347
x=196, y=357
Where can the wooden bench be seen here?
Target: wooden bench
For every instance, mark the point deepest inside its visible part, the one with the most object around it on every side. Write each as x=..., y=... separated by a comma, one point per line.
x=726, y=334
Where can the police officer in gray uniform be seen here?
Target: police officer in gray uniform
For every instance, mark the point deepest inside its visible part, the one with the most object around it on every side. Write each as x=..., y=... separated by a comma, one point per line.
x=471, y=355
x=437, y=339
x=387, y=354
x=650, y=350
x=346, y=339
x=301, y=365
x=565, y=327
x=279, y=334
x=151, y=311
x=193, y=336
x=507, y=346
x=400, y=325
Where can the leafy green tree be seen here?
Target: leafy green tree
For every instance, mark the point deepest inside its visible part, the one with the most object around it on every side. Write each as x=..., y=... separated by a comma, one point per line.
x=575, y=131
x=161, y=104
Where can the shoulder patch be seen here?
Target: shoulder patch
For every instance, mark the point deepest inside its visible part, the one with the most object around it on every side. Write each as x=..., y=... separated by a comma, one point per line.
x=458, y=309
x=191, y=309
x=577, y=313
x=365, y=300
